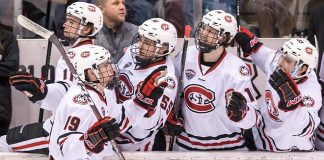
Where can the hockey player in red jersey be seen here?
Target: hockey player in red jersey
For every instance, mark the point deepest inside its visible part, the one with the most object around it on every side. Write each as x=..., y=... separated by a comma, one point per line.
x=83, y=22
x=288, y=113
x=217, y=104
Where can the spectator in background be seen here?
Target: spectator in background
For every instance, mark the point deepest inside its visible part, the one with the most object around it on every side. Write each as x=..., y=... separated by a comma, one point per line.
x=9, y=63
x=274, y=17
x=116, y=34
x=316, y=27
x=139, y=11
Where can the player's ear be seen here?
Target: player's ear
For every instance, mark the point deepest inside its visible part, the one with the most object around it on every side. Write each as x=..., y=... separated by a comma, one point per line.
x=87, y=30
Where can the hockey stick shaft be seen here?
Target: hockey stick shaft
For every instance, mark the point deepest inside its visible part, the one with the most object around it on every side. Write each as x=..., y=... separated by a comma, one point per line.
x=45, y=75
x=32, y=26
x=180, y=82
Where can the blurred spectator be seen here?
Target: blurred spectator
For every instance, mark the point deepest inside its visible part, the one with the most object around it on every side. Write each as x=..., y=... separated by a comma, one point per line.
x=139, y=11
x=274, y=17
x=9, y=63
x=6, y=14
x=116, y=34
x=172, y=11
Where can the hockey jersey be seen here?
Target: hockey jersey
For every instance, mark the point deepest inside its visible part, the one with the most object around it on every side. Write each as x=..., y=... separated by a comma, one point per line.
x=207, y=126
x=319, y=141
x=141, y=136
x=280, y=131
x=74, y=117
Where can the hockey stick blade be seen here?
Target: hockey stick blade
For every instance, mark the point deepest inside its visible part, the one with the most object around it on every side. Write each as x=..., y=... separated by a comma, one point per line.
x=37, y=29
x=34, y=27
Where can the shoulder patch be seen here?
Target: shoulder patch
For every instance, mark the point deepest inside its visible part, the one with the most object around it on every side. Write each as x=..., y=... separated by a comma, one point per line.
x=171, y=82
x=80, y=99
x=190, y=73
x=308, y=101
x=244, y=71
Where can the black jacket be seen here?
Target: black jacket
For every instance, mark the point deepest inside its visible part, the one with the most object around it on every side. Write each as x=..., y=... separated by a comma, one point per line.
x=9, y=63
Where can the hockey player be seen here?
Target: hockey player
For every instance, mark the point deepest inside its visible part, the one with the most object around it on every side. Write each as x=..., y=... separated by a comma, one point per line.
x=74, y=124
x=292, y=98
x=150, y=48
x=216, y=90
x=319, y=141
x=83, y=22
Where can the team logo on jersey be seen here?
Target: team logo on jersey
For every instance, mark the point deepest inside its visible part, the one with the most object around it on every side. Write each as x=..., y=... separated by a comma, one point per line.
x=228, y=19
x=308, y=101
x=244, y=70
x=271, y=107
x=126, y=89
x=190, y=73
x=309, y=50
x=165, y=26
x=91, y=8
x=171, y=82
x=85, y=54
x=80, y=99
x=199, y=99
x=71, y=54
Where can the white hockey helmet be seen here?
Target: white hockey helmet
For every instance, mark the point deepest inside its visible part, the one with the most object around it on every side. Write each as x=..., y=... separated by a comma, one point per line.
x=87, y=13
x=303, y=53
x=161, y=32
x=94, y=57
x=223, y=22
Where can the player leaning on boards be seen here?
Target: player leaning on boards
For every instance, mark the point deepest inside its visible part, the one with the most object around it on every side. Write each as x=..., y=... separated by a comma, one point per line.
x=83, y=22
x=292, y=98
x=217, y=104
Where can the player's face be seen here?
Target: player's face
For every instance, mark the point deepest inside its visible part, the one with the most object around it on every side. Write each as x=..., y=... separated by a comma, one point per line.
x=208, y=35
x=146, y=48
x=114, y=11
x=106, y=73
x=71, y=26
x=286, y=63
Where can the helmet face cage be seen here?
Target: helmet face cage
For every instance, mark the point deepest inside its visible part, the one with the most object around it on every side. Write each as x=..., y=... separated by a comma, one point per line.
x=108, y=74
x=72, y=29
x=144, y=50
x=208, y=39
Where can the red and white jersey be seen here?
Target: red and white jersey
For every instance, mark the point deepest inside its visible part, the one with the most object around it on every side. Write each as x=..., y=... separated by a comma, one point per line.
x=141, y=136
x=74, y=117
x=319, y=141
x=207, y=126
x=280, y=131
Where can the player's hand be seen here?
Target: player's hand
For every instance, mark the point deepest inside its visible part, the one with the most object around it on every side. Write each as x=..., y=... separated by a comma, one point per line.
x=99, y=133
x=285, y=86
x=247, y=41
x=236, y=107
x=34, y=88
x=173, y=125
x=151, y=89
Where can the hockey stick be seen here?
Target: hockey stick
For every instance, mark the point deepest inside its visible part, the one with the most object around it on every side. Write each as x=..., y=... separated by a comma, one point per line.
x=45, y=75
x=183, y=60
x=32, y=26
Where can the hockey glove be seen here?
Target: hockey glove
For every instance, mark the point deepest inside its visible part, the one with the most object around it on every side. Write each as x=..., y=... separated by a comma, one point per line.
x=99, y=133
x=247, y=41
x=236, y=108
x=151, y=89
x=173, y=125
x=34, y=88
x=285, y=86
